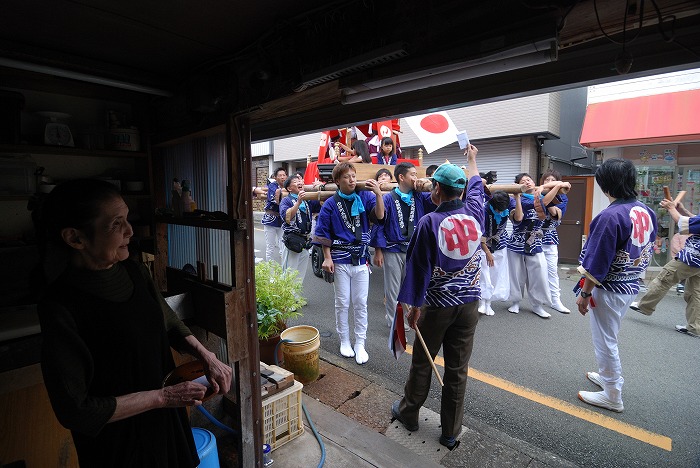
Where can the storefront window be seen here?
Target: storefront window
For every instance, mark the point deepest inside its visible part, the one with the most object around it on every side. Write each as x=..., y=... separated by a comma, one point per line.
x=650, y=187
x=689, y=180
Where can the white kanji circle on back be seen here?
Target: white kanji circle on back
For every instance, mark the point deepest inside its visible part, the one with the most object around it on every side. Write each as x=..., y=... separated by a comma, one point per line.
x=459, y=236
x=384, y=131
x=642, y=226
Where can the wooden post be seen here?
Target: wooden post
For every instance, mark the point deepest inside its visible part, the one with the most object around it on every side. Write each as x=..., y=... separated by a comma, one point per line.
x=420, y=156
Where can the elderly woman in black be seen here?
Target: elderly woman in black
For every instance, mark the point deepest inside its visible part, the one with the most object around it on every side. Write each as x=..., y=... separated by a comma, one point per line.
x=107, y=334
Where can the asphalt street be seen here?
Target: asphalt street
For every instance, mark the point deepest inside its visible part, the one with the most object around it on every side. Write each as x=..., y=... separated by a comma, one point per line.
x=525, y=373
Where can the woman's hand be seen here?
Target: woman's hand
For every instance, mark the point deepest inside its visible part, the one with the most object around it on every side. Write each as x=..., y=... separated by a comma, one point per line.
x=182, y=394
x=218, y=374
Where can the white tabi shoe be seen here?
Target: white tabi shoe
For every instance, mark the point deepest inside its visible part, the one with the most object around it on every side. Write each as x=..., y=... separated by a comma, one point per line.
x=482, y=307
x=489, y=310
x=600, y=400
x=361, y=355
x=346, y=348
x=559, y=307
x=595, y=378
x=515, y=308
x=539, y=310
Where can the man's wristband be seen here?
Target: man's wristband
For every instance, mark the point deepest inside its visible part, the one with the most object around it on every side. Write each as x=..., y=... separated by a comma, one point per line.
x=586, y=294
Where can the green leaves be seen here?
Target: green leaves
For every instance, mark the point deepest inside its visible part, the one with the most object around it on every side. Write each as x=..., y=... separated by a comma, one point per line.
x=278, y=295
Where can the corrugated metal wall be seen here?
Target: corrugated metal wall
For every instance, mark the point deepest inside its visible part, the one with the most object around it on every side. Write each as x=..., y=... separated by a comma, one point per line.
x=502, y=156
x=203, y=163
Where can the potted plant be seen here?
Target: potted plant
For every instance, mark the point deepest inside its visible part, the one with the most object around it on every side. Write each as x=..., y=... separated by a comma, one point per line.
x=278, y=296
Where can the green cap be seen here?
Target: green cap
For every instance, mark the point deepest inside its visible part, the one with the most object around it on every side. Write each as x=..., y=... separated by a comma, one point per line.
x=451, y=175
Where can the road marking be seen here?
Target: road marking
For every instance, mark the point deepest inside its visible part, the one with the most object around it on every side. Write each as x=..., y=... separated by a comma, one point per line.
x=593, y=417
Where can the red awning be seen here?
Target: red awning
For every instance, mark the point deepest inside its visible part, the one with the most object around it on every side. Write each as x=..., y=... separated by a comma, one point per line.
x=663, y=118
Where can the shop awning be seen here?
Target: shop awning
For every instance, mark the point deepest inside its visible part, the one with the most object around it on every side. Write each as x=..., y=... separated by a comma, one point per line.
x=663, y=118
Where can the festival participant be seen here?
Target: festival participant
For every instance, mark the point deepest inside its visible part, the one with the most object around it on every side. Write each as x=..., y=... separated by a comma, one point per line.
x=296, y=217
x=526, y=263
x=387, y=152
x=404, y=207
x=550, y=241
x=107, y=335
x=442, y=289
x=342, y=229
x=358, y=152
x=494, y=265
x=271, y=220
x=616, y=253
x=430, y=169
x=383, y=176
x=685, y=266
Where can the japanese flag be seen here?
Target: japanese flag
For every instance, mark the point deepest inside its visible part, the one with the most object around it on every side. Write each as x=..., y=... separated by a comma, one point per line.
x=434, y=130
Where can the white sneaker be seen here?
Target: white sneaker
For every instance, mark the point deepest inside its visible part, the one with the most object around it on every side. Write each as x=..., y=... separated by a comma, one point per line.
x=346, y=349
x=482, y=307
x=489, y=310
x=539, y=310
x=361, y=355
x=601, y=400
x=595, y=378
x=559, y=307
x=515, y=308
x=635, y=306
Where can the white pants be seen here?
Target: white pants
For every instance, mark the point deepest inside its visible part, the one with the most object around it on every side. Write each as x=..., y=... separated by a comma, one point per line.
x=296, y=261
x=494, y=281
x=528, y=271
x=551, y=254
x=273, y=243
x=606, y=317
x=351, y=283
x=394, y=273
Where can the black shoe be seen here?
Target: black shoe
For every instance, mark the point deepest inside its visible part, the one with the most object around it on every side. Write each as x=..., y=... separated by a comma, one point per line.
x=684, y=330
x=396, y=414
x=449, y=442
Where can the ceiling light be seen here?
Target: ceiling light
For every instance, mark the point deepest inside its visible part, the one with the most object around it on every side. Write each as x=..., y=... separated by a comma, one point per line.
x=47, y=70
x=513, y=59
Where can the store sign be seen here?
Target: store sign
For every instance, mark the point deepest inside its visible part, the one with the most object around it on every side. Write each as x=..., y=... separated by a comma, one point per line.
x=654, y=155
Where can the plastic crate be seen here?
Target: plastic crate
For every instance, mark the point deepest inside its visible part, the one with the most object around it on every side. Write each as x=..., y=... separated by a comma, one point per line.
x=282, y=416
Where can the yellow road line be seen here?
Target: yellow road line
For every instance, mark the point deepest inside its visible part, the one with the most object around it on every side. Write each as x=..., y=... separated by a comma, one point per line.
x=607, y=422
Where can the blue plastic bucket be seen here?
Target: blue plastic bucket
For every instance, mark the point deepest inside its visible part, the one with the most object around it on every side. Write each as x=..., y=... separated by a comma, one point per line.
x=205, y=442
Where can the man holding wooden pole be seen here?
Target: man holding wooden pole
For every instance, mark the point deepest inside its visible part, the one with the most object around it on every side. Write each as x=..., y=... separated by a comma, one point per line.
x=685, y=266
x=442, y=288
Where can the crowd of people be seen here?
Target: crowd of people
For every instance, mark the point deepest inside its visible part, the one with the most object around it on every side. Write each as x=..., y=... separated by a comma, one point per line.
x=447, y=254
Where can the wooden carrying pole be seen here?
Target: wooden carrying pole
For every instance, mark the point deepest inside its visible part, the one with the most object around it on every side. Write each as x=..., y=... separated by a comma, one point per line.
x=430, y=358
x=323, y=192
x=679, y=197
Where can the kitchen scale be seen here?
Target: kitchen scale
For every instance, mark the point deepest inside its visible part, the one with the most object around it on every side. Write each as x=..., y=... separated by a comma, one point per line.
x=57, y=133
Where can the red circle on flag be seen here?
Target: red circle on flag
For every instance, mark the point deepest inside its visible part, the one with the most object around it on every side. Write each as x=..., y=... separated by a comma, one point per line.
x=434, y=123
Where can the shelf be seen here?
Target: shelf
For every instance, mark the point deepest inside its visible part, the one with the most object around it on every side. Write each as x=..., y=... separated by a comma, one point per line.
x=15, y=197
x=68, y=151
x=228, y=225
